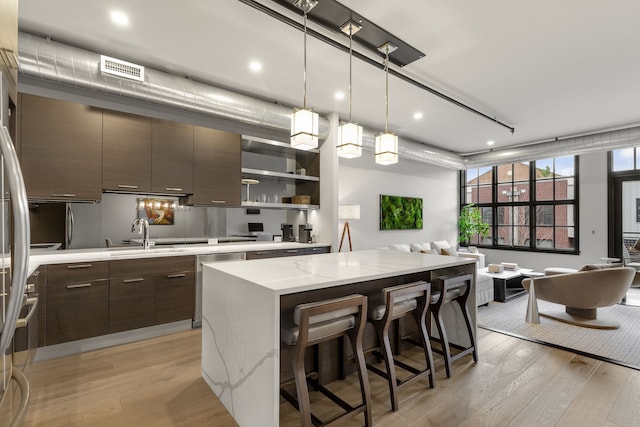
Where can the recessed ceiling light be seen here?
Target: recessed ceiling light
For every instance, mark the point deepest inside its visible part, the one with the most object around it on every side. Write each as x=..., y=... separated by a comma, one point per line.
x=490, y=143
x=418, y=115
x=339, y=95
x=119, y=18
x=255, y=66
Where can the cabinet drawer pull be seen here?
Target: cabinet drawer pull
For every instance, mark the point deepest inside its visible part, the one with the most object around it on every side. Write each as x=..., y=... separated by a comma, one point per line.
x=33, y=303
x=262, y=253
x=222, y=202
x=62, y=195
x=292, y=251
x=172, y=189
x=81, y=285
x=175, y=276
x=71, y=267
x=139, y=279
x=36, y=274
x=132, y=187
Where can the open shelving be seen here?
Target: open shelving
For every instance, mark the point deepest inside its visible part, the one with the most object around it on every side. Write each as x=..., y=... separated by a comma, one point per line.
x=282, y=168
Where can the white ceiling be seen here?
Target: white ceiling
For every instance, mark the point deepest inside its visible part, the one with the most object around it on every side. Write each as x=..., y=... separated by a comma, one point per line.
x=548, y=68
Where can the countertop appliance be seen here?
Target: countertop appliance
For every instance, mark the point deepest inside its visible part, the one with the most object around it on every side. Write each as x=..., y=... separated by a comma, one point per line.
x=14, y=302
x=287, y=233
x=231, y=256
x=304, y=233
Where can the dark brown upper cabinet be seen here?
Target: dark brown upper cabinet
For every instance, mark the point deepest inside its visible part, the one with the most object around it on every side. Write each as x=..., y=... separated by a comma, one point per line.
x=61, y=149
x=126, y=152
x=217, y=165
x=171, y=157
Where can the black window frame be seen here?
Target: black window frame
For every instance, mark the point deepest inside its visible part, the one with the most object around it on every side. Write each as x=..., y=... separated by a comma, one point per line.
x=531, y=244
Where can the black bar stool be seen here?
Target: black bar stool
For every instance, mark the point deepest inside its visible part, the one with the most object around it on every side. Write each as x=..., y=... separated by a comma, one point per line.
x=319, y=322
x=452, y=289
x=400, y=301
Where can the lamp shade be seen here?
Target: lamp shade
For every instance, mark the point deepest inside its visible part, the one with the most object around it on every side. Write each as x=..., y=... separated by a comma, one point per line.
x=349, y=211
x=349, y=141
x=304, y=129
x=386, y=149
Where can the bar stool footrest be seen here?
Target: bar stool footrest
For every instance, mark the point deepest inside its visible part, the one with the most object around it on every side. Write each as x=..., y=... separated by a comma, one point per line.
x=415, y=373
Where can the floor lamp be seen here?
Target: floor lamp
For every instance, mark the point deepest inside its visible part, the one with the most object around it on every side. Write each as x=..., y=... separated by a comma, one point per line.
x=347, y=212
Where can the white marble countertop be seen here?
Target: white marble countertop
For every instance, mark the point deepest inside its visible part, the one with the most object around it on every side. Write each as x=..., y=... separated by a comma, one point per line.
x=295, y=274
x=45, y=257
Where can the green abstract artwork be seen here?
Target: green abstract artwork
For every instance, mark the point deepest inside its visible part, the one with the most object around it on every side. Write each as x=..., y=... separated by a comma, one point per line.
x=400, y=213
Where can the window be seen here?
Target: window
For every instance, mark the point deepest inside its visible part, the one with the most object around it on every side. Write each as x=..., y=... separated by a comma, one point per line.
x=625, y=159
x=533, y=203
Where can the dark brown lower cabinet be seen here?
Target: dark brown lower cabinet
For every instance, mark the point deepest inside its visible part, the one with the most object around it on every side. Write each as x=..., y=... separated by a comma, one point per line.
x=77, y=310
x=131, y=303
x=77, y=301
x=151, y=291
x=275, y=253
x=175, y=296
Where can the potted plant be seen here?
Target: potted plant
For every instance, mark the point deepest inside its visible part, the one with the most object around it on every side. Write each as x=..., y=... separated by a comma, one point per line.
x=471, y=223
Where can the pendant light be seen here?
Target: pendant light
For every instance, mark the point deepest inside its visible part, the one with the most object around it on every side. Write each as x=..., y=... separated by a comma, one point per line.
x=386, y=143
x=304, y=122
x=350, y=134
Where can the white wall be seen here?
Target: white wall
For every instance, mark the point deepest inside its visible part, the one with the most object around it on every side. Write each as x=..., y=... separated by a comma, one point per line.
x=593, y=223
x=361, y=182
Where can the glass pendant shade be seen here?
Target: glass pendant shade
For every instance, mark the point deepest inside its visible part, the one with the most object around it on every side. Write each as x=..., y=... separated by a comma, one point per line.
x=304, y=129
x=386, y=149
x=349, y=141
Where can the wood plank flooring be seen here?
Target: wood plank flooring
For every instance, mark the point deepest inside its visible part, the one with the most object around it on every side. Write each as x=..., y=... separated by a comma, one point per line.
x=516, y=383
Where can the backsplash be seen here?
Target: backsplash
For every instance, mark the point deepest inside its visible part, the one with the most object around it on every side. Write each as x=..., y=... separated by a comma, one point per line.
x=112, y=218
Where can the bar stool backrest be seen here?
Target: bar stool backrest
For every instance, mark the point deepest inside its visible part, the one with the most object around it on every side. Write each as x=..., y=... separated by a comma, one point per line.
x=330, y=311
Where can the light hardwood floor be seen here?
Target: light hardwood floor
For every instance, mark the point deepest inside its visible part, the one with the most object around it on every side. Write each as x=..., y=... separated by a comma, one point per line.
x=516, y=383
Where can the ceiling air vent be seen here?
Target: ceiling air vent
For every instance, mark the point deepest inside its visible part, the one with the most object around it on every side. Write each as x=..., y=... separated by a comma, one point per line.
x=117, y=67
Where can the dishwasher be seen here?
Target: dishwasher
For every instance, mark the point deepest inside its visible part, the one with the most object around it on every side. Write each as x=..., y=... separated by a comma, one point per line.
x=230, y=256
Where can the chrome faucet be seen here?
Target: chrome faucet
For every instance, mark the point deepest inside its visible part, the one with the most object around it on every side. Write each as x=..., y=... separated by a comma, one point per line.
x=143, y=228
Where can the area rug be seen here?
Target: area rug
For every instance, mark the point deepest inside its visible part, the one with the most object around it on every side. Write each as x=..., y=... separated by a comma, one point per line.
x=620, y=346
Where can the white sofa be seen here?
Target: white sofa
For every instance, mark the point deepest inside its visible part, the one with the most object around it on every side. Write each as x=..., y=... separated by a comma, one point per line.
x=484, y=283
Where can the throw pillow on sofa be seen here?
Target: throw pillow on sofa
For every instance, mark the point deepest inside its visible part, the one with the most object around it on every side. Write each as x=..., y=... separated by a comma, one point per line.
x=425, y=248
x=400, y=248
x=449, y=251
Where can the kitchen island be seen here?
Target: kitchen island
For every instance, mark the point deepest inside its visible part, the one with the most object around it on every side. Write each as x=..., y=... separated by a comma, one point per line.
x=243, y=304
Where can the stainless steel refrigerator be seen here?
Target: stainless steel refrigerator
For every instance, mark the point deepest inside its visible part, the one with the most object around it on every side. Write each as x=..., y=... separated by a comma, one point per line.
x=16, y=307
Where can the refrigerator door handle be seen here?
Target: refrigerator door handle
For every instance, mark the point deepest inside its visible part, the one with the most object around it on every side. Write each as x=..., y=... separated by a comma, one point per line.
x=70, y=226
x=23, y=384
x=21, y=240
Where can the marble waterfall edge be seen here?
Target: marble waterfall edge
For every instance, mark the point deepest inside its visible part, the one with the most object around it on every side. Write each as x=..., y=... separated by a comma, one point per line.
x=239, y=353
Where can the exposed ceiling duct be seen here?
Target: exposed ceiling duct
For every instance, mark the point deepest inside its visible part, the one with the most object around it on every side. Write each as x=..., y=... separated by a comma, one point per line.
x=417, y=151
x=603, y=141
x=59, y=63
